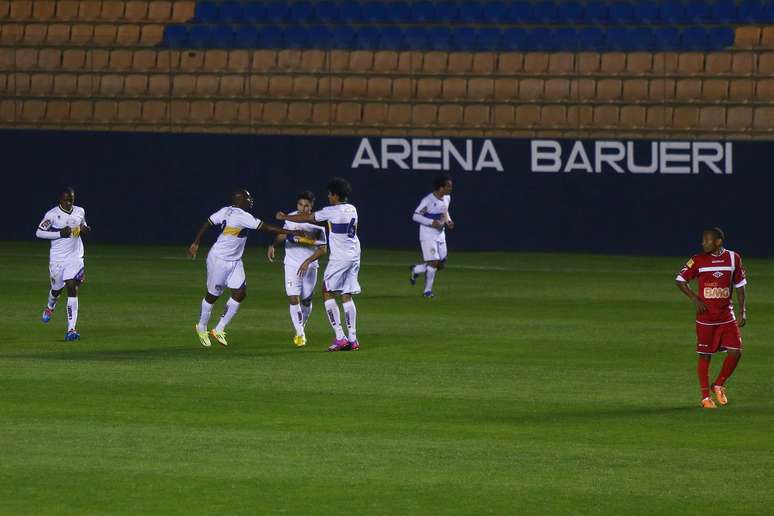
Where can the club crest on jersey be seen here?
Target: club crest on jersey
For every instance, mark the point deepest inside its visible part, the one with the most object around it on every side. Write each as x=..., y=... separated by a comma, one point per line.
x=45, y=224
x=717, y=274
x=690, y=263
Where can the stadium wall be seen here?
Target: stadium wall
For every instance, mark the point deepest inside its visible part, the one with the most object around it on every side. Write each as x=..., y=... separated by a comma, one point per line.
x=510, y=194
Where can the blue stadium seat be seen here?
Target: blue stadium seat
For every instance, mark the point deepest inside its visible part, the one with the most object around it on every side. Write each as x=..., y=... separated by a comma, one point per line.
x=343, y=36
x=495, y=12
x=301, y=12
x=271, y=36
x=720, y=37
x=750, y=11
x=350, y=11
x=254, y=12
x=591, y=39
x=375, y=12
x=277, y=12
x=520, y=12
x=471, y=12
x=768, y=12
x=393, y=38
x=544, y=12
x=724, y=11
x=566, y=38
x=488, y=40
x=206, y=12
x=399, y=12
x=596, y=12
x=694, y=38
x=222, y=36
x=200, y=36
x=698, y=11
x=422, y=12
x=665, y=38
x=231, y=12
x=621, y=12
x=415, y=38
x=367, y=38
x=541, y=39
x=319, y=36
x=439, y=38
x=463, y=39
x=646, y=12
x=570, y=12
x=673, y=13
x=247, y=36
x=514, y=40
x=327, y=11
x=297, y=36
x=447, y=12
x=629, y=39
x=175, y=36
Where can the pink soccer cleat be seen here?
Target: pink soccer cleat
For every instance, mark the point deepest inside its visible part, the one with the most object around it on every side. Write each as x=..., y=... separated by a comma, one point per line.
x=354, y=346
x=339, y=345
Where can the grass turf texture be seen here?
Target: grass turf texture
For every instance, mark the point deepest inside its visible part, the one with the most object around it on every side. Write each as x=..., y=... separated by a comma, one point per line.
x=533, y=383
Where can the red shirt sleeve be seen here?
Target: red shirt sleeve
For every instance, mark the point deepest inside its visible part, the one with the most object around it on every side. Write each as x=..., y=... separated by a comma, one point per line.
x=740, y=275
x=689, y=271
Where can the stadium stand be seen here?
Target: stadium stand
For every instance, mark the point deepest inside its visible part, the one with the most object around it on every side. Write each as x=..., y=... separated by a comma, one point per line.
x=494, y=68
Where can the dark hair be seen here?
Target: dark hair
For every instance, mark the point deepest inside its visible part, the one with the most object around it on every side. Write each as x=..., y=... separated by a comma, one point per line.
x=340, y=187
x=65, y=190
x=440, y=181
x=717, y=232
x=306, y=194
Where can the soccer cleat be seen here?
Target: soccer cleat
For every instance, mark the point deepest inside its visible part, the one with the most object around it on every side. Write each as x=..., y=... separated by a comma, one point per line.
x=720, y=394
x=354, y=346
x=203, y=337
x=72, y=335
x=339, y=345
x=708, y=403
x=47, y=313
x=299, y=341
x=429, y=294
x=412, y=276
x=220, y=336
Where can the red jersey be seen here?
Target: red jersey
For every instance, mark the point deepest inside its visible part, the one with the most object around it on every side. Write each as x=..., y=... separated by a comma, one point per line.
x=718, y=276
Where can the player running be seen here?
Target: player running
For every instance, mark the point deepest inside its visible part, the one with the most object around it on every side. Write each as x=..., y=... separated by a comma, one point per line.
x=301, y=255
x=341, y=273
x=433, y=218
x=719, y=271
x=63, y=225
x=224, y=262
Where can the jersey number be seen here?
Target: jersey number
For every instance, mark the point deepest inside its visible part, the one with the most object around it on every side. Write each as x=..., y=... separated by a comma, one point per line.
x=352, y=229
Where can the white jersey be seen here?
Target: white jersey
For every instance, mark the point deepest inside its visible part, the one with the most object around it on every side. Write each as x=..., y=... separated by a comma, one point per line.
x=69, y=248
x=235, y=223
x=432, y=208
x=296, y=254
x=342, y=226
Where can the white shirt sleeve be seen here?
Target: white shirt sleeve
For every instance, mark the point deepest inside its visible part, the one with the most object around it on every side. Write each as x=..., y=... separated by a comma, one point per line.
x=218, y=217
x=323, y=214
x=250, y=222
x=419, y=212
x=44, y=229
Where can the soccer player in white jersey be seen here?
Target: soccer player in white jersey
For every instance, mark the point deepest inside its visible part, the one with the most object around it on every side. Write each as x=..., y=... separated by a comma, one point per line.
x=224, y=262
x=341, y=273
x=433, y=218
x=301, y=255
x=63, y=225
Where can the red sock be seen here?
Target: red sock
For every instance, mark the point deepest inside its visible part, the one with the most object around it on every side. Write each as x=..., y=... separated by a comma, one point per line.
x=729, y=364
x=702, y=369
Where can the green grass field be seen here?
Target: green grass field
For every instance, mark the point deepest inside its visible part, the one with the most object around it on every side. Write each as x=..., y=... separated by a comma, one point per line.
x=532, y=384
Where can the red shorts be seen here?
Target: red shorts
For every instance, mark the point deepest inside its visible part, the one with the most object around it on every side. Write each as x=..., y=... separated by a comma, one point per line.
x=711, y=338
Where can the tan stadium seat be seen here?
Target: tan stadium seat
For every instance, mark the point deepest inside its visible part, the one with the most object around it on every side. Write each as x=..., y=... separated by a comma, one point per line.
x=536, y=62
x=111, y=85
x=739, y=118
x=553, y=116
x=179, y=110
x=184, y=85
x=73, y=59
x=767, y=37
x=154, y=111
x=582, y=89
x=49, y=58
x=348, y=113
x=120, y=59
x=399, y=114
x=374, y=113
x=238, y=61
x=11, y=32
x=766, y=63
x=527, y=115
x=338, y=60
x=20, y=10
x=329, y=86
x=35, y=33
x=313, y=60
x=289, y=59
x=476, y=115
x=264, y=60
x=385, y=61
x=606, y=116
x=658, y=116
x=66, y=9
x=136, y=10
x=484, y=62
x=410, y=62
x=304, y=86
x=743, y=62
x=711, y=117
x=354, y=87
x=633, y=116
x=181, y=11
x=280, y=85
x=449, y=115
x=106, y=34
x=159, y=85
x=762, y=119
x=24, y=58
x=87, y=85
x=321, y=113
x=662, y=89
x=57, y=111
x=299, y=112
x=454, y=88
x=10, y=110
x=764, y=90
x=361, y=60
x=215, y=60
x=510, y=62
x=144, y=60
x=588, y=63
x=135, y=85
x=41, y=84
x=531, y=89
x=89, y=9
x=404, y=88
x=481, y=88
x=424, y=115
x=232, y=85
x=82, y=110
x=561, y=63
x=714, y=90
x=19, y=83
x=639, y=63
x=690, y=63
x=33, y=110
x=379, y=87
x=429, y=88
x=557, y=89
x=151, y=34
x=275, y=112
x=65, y=84
x=129, y=111
x=506, y=89
x=503, y=115
x=613, y=63
x=207, y=85
x=717, y=62
x=191, y=61
x=460, y=63
x=665, y=63
x=112, y=10
x=741, y=90
x=201, y=111
x=435, y=62
x=685, y=117
x=635, y=89
x=8, y=58
x=153, y=11
x=747, y=37
x=688, y=89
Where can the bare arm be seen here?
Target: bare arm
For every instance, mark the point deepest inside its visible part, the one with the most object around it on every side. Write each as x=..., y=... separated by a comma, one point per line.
x=194, y=247
x=298, y=217
x=271, y=228
x=320, y=251
x=686, y=289
x=741, y=295
x=271, y=251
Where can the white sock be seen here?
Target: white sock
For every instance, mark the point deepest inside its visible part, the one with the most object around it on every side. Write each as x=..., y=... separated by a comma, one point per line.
x=420, y=269
x=231, y=309
x=350, y=315
x=429, y=278
x=334, y=317
x=204, y=316
x=297, y=318
x=52, y=299
x=306, y=310
x=72, y=312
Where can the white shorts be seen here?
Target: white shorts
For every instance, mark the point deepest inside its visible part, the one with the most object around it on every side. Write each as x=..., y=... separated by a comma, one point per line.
x=59, y=272
x=433, y=250
x=224, y=273
x=341, y=276
x=303, y=287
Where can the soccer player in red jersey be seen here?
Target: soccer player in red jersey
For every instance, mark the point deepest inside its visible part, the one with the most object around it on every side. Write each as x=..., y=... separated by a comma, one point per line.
x=719, y=272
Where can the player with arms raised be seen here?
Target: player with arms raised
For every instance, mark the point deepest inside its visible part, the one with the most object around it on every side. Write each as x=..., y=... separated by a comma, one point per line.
x=63, y=225
x=433, y=218
x=341, y=273
x=224, y=262
x=719, y=272
x=301, y=255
